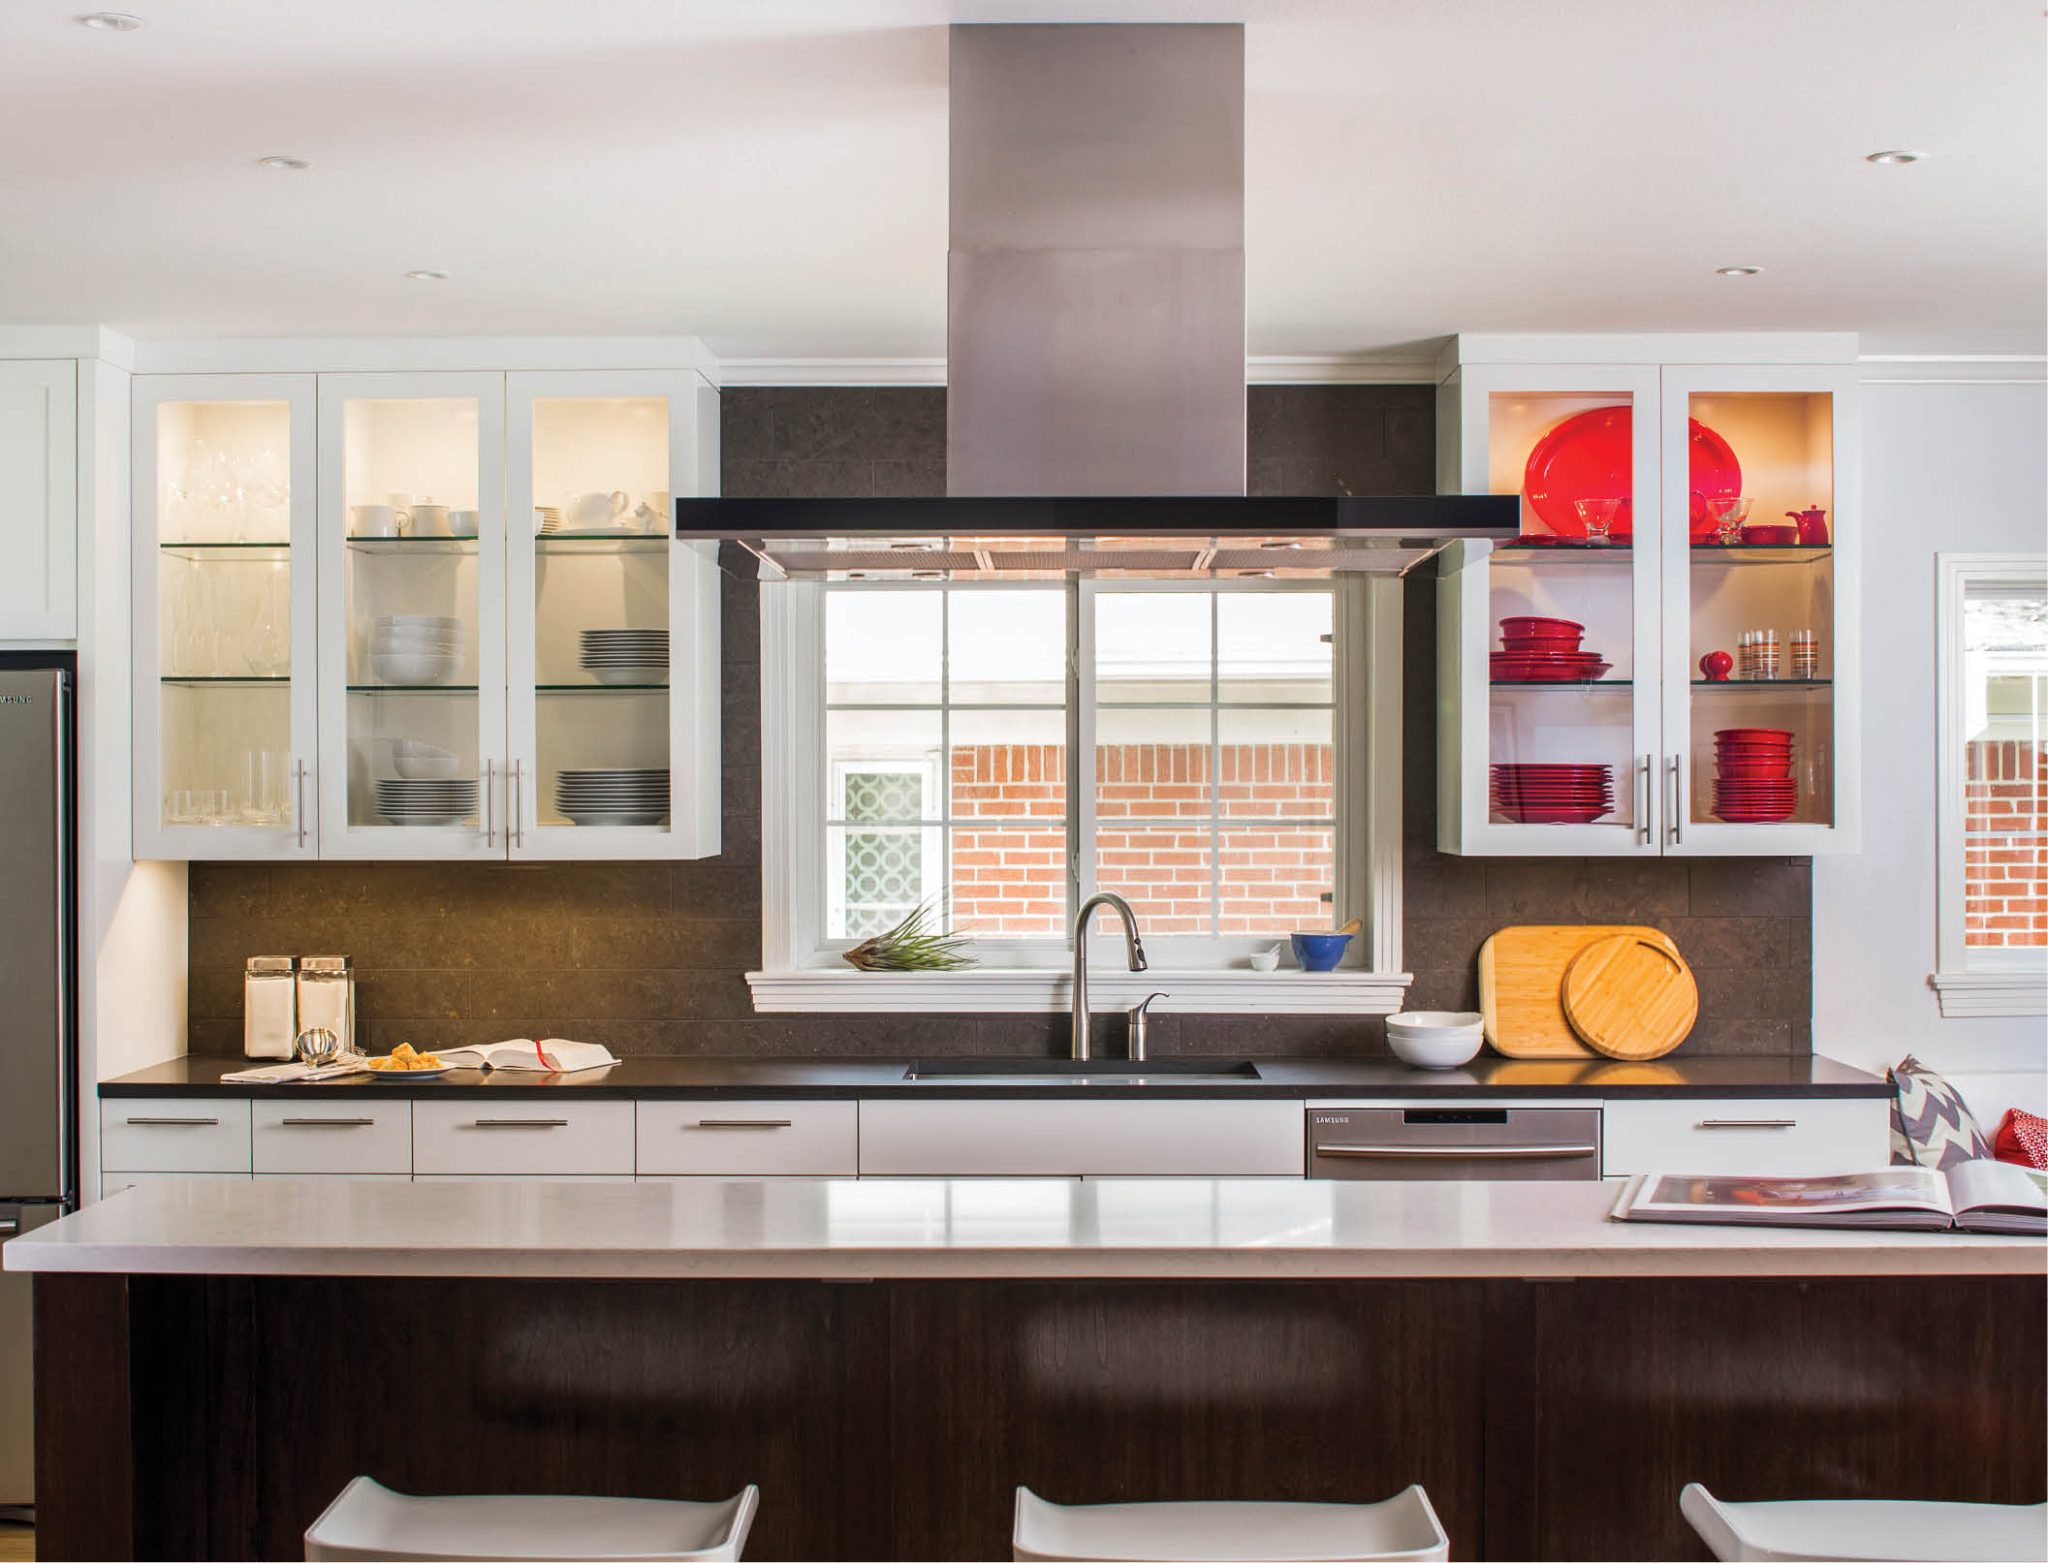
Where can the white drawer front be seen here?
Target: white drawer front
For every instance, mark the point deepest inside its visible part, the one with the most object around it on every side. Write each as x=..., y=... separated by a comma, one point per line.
x=546, y=1139
x=749, y=1139
x=333, y=1136
x=174, y=1134
x=112, y=1183
x=1747, y=1135
x=1062, y=1138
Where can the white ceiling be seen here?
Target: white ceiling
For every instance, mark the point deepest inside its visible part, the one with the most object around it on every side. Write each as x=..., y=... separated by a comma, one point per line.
x=770, y=174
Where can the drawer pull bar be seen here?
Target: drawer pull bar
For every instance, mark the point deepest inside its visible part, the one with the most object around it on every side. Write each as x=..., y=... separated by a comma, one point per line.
x=743, y=1123
x=196, y=1123
x=522, y=1123
x=328, y=1123
x=1747, y=1123
x=10, y=1225
x=1485, y=1152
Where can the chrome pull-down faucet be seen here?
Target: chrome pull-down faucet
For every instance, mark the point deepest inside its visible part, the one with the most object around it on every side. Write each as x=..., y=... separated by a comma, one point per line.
x=1134, y=948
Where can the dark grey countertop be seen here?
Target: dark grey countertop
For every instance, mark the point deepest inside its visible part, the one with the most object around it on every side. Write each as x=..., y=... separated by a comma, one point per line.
x=679, y=1078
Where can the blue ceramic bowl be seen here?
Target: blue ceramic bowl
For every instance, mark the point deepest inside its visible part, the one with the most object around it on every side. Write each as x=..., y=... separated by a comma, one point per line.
x=1319, y=951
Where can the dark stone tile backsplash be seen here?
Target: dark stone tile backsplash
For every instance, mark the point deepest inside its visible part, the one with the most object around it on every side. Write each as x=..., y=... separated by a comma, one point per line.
x=651, y=957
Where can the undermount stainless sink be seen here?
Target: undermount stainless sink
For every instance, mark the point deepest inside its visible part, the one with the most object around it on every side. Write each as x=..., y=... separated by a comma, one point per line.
x=1079, y=1071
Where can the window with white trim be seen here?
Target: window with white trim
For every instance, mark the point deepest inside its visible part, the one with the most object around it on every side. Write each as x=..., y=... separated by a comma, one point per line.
x=1992, y=768
x=917, y=750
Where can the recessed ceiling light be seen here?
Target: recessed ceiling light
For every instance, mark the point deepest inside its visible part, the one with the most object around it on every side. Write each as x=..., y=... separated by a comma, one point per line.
x=290, y=164
x=427, y=276
x=1895, y=155
x=110, y=21
x=1737, y=271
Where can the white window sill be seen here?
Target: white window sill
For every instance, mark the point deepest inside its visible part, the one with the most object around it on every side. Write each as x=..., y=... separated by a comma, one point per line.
x=1988, y=993
x=1044, y=991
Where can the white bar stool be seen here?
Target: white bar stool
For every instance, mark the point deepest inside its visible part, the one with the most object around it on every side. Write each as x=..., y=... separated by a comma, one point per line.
x=369, y=1520
x=1867, y=1530
x=1402, y=1527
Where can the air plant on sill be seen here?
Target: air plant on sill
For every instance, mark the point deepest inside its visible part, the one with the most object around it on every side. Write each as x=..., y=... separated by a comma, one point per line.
x=911, y=946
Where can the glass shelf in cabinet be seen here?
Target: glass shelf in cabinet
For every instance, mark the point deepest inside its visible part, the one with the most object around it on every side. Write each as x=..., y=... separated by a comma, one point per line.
x=399, y=545
x=412, y=689
x=209, y=679
x=1763, y=686
x=1581, y=684
x=1564, y=550
x=604, y=542
x=1764, y=553
x=599, y=689
x=207, y=550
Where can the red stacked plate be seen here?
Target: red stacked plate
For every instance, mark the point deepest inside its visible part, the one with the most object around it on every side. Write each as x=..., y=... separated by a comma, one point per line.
x=1544, y=651
x=1753, y=782
x=1553, y=794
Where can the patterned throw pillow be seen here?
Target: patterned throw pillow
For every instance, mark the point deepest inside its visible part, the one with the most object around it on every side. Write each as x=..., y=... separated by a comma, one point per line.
x=2022, y=1139
x=1930, y=1125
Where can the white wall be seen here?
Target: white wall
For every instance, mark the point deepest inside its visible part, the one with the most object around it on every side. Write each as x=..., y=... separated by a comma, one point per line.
x=1950, y=469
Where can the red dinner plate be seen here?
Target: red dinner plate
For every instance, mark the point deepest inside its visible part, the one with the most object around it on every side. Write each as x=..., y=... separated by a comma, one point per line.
x=1587, y=457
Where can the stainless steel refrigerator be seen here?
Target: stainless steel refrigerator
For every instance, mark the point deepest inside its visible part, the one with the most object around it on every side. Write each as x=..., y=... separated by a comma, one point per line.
x=38, y=1009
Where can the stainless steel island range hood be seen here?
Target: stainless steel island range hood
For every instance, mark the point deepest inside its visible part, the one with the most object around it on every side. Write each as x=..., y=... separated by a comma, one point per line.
x=1095, y=354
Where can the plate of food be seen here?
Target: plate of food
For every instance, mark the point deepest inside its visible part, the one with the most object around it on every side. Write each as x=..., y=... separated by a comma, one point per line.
x=404, y=1063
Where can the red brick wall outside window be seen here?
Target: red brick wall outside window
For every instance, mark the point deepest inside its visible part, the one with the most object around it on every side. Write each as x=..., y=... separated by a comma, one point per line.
x=1253, y=871
x=2005, y=845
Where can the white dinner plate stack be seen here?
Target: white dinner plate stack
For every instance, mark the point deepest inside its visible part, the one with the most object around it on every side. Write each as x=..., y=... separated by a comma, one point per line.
x=626, y=656
x=416, y=648
x=613, y=797
x=414, y=802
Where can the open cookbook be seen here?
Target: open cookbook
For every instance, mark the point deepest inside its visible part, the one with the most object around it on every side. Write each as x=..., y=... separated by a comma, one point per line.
x=555, y=1055
x=1973, y=1196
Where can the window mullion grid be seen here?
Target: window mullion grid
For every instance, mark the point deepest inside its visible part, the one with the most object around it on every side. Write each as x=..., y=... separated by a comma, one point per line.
x=946, y=757
x=1080, y=827
x=1215, y=788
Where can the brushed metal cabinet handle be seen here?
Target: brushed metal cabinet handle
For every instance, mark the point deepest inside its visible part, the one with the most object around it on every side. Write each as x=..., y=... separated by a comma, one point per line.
x=1478, y=1152
x=515, y=825
x=522, y=1123
x=490, y=817
x=327, y=1123
x=299, y=811
x=1643, y=790
x=743, y=1123
x=182, y=1122
x=10, y=1225
x=1747, y=1123
x=1677, y=804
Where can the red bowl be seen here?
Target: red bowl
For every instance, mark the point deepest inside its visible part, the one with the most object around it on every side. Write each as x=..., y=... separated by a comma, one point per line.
x=1747, y=817
x=1753, y=770
x=1770, y=534
x=1762, y=733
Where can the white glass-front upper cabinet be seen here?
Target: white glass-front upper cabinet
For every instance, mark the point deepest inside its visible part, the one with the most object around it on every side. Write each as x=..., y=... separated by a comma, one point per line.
x=1547, y=646
x=412, y=616
x=224, y=622
x=1760, y=757
x=612, y=624
x=1664, y=661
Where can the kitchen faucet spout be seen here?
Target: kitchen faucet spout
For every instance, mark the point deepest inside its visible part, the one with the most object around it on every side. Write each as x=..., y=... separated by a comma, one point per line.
x=1134, y=950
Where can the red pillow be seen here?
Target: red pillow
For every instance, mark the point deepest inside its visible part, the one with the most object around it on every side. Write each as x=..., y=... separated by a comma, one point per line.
x=2022, y=1138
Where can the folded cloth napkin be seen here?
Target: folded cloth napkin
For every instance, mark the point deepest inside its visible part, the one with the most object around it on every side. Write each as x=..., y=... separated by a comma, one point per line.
x=274, y=1074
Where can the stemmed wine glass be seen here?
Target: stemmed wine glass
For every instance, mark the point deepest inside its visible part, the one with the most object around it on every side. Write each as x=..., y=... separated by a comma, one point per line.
x=1729, y=514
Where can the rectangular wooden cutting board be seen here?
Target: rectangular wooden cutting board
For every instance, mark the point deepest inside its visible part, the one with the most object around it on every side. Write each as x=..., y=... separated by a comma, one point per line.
x=1521, y=980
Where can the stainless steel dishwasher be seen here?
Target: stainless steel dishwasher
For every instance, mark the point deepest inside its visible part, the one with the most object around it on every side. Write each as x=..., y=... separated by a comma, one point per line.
x=1459, y=1144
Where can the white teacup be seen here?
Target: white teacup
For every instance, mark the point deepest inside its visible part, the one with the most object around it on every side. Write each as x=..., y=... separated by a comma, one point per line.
x=377, y=520
x=588, y=512
x=462, y=523
x=429, y=520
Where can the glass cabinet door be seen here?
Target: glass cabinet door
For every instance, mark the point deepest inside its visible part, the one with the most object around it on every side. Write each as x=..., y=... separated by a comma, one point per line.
x=1759, y=667
x=1554, y=636
x=224, y=582
x=613, y=624
x=412, y=616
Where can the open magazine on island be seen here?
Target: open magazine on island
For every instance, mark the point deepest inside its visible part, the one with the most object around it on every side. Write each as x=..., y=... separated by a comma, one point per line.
x=1973, y=1196
x=554, y=1055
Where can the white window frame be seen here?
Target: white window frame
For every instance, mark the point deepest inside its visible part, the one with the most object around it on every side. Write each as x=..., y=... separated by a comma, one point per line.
x=802, y=971
x=1971, y=981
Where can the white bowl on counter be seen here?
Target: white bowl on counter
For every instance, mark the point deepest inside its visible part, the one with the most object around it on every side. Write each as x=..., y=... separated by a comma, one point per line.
x=1436, y=1038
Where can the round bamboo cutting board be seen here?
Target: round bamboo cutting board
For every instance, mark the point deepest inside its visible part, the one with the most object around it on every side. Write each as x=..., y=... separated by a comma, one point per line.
x=1631, y=997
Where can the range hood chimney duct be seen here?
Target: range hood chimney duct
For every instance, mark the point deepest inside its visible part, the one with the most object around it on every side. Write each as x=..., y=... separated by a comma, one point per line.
x=1095, y=280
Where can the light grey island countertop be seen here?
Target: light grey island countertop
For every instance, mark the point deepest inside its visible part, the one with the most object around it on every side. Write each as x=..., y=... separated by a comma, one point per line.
x=969, y=1228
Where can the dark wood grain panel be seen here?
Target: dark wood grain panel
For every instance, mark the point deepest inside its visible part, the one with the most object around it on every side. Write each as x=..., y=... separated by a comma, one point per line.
x=1895, y=1388
x=84, y=1453
x=1115, y=1393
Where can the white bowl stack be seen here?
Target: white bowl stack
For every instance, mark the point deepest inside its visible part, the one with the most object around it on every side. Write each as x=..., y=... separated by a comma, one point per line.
x=416, y=648
x=1436, y=1038
x=415, y=761
x=626, y=656
x=408, y=802
x=616, y=797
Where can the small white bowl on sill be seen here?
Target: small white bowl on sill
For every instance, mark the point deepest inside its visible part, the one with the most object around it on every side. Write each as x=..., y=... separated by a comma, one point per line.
x=1436, y=1038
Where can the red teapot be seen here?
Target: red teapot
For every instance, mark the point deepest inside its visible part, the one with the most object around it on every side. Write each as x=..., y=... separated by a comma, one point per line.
x=1813, y=526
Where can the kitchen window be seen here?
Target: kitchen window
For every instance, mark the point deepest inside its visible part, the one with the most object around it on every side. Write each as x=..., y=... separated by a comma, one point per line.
x=1992, y=784
x=1242, y=782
